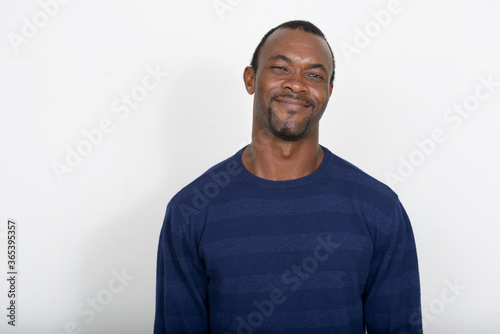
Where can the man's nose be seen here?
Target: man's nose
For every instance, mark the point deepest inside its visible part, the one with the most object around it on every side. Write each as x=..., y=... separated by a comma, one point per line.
x=295, y=82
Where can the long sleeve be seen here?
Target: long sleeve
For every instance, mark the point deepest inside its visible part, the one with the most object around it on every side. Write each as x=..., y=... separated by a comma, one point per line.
x=332, y=252
x=392, y=294
x=181, y=282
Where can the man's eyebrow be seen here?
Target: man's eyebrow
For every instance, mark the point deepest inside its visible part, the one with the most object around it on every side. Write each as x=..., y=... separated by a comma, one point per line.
x=281, y=57
x=285, y=58
x=320, y=66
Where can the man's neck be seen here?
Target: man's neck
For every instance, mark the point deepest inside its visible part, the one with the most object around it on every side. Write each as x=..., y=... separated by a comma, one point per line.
x=274, y=159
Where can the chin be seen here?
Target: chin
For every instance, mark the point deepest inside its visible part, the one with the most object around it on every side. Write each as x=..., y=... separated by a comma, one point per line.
x=285, y=133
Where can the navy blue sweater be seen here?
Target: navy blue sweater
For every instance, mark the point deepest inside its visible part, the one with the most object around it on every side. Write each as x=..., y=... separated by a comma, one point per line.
x=331, y=252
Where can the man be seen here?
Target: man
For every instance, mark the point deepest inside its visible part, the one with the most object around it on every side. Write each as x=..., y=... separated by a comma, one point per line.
x=284, y=236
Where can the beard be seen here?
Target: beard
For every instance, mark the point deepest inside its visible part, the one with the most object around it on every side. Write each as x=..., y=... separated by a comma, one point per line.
x=289, y=129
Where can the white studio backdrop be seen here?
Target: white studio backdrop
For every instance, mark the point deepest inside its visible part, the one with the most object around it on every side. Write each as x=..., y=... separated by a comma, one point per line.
x=108, y=108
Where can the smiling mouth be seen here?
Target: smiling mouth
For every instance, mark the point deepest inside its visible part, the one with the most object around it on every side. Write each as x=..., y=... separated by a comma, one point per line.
x=292, y=104
x=292, y=101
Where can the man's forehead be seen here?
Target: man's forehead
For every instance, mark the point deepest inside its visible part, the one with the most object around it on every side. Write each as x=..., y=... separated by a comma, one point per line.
x=284, y=39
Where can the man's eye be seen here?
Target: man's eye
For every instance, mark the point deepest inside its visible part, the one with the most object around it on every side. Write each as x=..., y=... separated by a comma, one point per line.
x=316, y=76
x=279, y=68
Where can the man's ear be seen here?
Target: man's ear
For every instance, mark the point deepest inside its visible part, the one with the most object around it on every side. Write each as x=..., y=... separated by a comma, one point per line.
x=331, y=89
x=249, y=79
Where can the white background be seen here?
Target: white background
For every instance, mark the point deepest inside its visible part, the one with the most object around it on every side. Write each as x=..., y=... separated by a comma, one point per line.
x=76, y=232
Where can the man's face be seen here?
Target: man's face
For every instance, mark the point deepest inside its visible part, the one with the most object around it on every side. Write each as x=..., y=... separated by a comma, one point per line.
x=291, y=84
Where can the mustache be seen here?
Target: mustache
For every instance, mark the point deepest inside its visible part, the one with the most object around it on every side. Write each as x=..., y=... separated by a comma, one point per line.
x=294, y=97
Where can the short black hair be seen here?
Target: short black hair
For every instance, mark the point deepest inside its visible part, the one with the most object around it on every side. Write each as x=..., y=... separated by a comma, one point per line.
x=296, y=24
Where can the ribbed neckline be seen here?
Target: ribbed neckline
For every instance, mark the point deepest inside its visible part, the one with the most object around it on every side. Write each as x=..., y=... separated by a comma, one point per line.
x=324, y=168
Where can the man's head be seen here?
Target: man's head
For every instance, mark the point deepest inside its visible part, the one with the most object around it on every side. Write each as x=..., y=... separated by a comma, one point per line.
x=302, y=25
x=292, y=77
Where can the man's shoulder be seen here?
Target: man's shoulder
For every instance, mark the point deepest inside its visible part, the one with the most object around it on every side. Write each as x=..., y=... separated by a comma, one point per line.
x=379, y=204
x=211, y=182
x=357, y=180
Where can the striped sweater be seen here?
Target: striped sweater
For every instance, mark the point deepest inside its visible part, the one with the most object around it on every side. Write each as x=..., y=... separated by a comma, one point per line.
x=331, y=252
